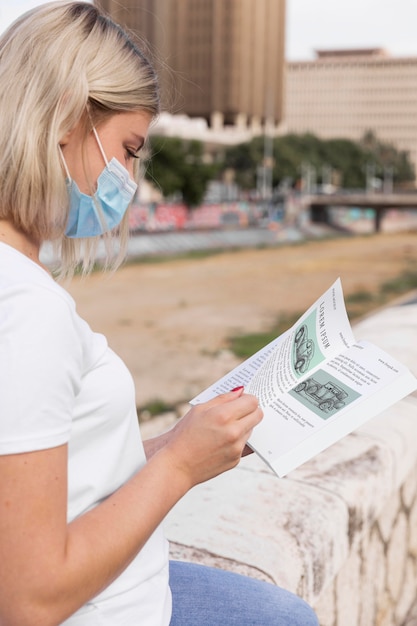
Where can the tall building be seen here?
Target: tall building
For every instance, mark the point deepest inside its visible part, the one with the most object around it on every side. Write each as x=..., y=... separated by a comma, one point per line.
x=346, y=93
x=222, y=60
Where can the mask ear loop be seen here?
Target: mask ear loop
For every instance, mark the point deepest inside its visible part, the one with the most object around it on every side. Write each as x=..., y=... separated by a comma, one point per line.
x=97, y=203
x=64, y=163
x=100, y=146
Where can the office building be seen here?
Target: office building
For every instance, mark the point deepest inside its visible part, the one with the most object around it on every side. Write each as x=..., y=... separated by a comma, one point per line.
x=219, y=60
x=345, y=93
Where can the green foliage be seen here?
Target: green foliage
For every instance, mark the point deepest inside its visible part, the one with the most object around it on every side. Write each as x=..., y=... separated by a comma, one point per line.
x=359, y=297
x=178, y=167
x=154, y=407
x=347, y=158
x=384, y=155
x=244, y=160
x=243, y=346
x=406, y=282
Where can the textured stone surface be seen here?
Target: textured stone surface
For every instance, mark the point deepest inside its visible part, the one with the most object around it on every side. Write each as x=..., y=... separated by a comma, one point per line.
x=326, y=606
x=348, y=591
x=372, y=578
x=408, y=593
x=412, y=538
x=303, y=532
x=408, y=492
x=388, y=516
x=411, y=618
x=250, y=516
x=392, y=329
x=185, y=553
x=397, y=556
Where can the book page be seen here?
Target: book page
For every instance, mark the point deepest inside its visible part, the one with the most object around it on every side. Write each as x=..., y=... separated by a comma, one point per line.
x=240, y=375
x=314, y=384
x=321, y=332
x=331, y=402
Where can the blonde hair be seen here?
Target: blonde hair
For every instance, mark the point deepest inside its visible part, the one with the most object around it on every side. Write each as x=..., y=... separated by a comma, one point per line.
x=57, y=62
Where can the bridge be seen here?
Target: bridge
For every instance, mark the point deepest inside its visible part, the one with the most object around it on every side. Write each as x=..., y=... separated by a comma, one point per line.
x=380, y=202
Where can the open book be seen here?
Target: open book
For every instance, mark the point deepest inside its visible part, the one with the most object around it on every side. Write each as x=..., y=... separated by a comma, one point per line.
x=315, y=385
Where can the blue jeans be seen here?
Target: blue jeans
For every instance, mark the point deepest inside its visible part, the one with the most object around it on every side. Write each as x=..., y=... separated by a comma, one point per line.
x=205, y=596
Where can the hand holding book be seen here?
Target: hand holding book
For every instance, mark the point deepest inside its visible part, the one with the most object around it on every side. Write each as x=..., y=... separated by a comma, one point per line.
x=315, y=384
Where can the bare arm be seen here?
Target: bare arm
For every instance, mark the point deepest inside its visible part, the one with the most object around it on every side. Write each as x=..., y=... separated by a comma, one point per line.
x=53, y=568
x=154, y=444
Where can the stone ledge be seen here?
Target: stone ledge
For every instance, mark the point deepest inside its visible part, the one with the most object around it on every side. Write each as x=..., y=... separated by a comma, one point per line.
x=297, y=531
x=334, y=524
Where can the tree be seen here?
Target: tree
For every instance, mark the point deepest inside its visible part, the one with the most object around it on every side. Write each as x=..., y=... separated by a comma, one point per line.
x=345, y=157
x=244, y=159
x=384, y=156
x=348, y=159
x=178, y=166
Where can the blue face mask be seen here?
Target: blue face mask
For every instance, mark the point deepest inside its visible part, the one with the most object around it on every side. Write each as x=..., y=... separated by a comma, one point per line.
x=90, y=216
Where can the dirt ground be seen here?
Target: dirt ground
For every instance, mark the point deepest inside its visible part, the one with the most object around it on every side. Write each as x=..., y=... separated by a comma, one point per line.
x=170, y=321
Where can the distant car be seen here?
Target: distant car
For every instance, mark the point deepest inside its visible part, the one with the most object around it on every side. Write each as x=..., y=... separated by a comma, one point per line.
x=303, y=350
x=326, y=397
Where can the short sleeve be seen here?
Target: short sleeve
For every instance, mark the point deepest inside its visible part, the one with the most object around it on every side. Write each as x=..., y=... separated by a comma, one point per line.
x=40, y=368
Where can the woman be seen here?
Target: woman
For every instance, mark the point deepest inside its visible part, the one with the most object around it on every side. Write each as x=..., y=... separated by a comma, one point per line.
x=81, y=498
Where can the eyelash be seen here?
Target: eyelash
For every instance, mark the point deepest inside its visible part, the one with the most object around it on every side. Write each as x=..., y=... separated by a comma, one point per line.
x=130, y=153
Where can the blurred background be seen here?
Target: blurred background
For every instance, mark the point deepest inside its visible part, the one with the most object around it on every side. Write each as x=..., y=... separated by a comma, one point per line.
x=283, y=122
x=272, y=106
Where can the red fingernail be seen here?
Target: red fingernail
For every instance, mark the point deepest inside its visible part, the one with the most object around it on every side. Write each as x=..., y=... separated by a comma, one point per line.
x=237, y=388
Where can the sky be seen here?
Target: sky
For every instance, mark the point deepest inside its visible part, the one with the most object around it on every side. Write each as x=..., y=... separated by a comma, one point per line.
x=329, y=24
x=321, y=24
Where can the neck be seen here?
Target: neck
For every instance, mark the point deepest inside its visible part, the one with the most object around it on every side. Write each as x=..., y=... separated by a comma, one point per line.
x=20, y=241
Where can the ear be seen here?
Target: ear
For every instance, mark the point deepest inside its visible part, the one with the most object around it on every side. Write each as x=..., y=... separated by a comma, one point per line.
x=65, y=139
x=78, y=130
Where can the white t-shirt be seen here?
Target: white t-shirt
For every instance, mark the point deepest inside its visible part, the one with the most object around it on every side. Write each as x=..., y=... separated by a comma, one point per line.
x=61, y=383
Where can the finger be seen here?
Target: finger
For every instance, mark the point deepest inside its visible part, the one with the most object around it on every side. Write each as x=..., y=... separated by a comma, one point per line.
x=253, y=418
x=248, y=423
x=246, y=405
x=235, y=393
x=236, y=408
